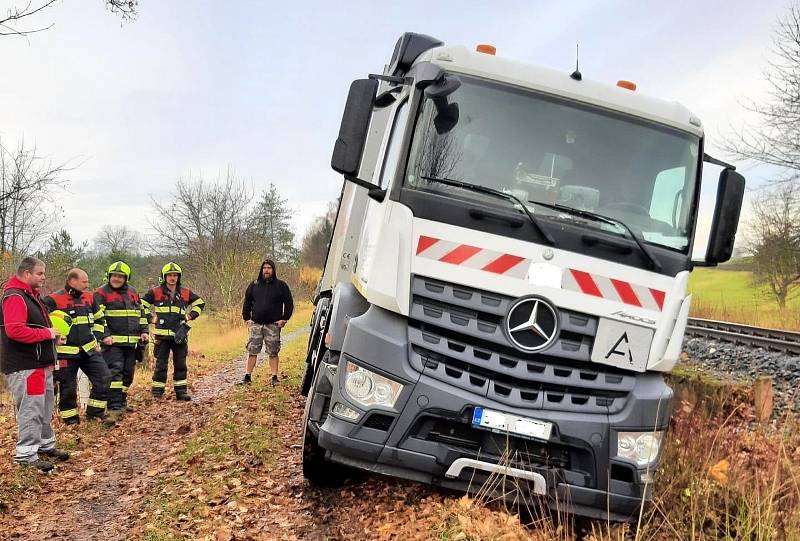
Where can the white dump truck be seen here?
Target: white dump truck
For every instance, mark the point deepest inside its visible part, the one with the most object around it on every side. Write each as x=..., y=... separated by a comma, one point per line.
x=506, y=284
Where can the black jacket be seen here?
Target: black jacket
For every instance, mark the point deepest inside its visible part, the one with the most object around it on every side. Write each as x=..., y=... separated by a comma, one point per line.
x=267, y=301
x=123, y=316
x=83, y=310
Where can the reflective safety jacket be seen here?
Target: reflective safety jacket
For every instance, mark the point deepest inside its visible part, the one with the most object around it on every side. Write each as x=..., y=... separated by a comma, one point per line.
x=85, y=314
x=169, y=309
x=123, y=316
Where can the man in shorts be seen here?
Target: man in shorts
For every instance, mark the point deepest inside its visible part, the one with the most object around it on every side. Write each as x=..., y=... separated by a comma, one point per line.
x=267, y=307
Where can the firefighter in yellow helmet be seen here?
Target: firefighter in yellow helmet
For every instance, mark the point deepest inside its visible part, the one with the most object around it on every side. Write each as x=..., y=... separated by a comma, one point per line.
x=124, y=321
x=172, y=308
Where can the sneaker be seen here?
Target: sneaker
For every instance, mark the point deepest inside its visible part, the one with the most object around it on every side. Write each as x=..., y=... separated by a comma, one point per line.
x=274, y=381
x=58, y=454
x=246, y=381
x=39, y=464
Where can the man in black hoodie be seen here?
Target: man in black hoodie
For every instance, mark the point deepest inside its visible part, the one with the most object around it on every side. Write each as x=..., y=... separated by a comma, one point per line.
x=267, y=307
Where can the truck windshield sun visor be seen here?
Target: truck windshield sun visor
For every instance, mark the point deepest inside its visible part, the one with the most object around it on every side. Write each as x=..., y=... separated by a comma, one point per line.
x=497, y=193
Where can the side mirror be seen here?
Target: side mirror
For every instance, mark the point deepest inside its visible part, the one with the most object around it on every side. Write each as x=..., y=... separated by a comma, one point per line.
x=446, y=113
x=355, y=124
x=730, y=192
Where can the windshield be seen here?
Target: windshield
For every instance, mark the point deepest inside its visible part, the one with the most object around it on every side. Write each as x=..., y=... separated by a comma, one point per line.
x=554, y=152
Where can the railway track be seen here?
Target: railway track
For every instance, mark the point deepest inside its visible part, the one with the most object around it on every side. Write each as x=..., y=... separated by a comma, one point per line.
x=769, y=339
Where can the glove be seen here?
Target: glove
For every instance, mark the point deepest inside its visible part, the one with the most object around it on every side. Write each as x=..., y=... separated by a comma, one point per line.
x=182, y=334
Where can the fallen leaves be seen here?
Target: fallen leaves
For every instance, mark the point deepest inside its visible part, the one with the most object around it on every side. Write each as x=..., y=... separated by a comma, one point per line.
x=719, y=471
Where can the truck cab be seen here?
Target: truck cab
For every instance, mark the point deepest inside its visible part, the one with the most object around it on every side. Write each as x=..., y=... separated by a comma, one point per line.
x=506, y=284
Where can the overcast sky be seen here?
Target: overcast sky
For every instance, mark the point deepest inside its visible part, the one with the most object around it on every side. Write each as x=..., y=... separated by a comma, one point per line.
x=196, y=86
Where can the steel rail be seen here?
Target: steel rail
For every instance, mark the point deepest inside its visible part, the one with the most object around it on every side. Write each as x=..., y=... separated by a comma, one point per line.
x=738, y=333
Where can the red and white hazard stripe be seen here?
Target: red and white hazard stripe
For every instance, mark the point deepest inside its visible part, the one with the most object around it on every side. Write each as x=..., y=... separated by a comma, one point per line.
x=472, y=257
x=514, y=266
x=613, y=289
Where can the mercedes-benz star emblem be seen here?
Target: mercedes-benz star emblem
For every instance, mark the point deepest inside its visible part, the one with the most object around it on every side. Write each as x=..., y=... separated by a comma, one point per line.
x=532, y=324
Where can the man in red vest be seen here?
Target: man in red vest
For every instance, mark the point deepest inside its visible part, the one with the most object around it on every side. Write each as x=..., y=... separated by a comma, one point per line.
x=27, y=356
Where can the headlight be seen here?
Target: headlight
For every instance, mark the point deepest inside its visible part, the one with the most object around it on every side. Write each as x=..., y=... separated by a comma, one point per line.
x=640, y=447
x=370, y=389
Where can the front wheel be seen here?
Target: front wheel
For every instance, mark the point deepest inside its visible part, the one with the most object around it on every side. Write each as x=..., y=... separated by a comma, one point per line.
x=316, y=469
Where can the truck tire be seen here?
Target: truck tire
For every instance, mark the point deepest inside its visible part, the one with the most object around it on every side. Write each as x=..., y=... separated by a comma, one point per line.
x=316, y=343
x=316, y=469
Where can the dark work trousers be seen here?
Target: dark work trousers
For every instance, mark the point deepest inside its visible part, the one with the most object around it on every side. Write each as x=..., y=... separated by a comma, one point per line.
x=179, y=381
x=121, y=361
x=94, y=366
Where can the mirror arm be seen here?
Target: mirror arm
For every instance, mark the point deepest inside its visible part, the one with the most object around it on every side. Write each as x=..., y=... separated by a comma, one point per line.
x=391, y=79
x=703, y=264
x=711, y=159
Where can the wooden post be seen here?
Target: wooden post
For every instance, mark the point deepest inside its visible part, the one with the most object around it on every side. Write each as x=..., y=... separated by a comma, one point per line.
x=764, y=397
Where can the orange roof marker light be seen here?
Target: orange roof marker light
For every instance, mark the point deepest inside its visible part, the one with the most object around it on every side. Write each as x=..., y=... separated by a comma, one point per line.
x=485, y=48
x=630, y=85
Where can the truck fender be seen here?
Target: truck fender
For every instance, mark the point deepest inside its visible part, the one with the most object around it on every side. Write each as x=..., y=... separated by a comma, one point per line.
x=347, y=303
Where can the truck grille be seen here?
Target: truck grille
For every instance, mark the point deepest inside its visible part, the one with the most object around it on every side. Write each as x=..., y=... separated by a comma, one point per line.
x=457, y=337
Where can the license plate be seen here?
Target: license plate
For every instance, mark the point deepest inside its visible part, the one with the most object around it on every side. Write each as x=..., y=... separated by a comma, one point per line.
x=622, y=345
x=497, y=421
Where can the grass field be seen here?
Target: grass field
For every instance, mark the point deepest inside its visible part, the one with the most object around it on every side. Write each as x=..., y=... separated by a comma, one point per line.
x=730, y=295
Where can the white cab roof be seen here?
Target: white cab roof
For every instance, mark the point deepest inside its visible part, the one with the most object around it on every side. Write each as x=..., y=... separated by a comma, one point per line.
x=558, y=83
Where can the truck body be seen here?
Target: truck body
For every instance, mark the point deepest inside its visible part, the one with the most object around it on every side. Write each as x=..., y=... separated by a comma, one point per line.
x=506, y=283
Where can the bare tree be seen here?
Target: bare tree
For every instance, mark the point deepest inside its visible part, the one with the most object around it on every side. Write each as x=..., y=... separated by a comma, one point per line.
x=27, y=200
x=774, y=240
x=16, y=21
x=205, y=225
x=776, y=137
x=119, y=241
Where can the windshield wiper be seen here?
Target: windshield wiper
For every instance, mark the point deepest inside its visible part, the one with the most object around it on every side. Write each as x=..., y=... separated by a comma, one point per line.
x=496, y=193
x=654, y=263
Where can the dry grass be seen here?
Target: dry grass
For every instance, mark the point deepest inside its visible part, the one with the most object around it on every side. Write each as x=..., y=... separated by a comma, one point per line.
x=720, y=478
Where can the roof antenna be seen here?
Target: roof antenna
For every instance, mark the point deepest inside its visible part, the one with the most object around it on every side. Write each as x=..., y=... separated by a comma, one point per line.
x=576, y=74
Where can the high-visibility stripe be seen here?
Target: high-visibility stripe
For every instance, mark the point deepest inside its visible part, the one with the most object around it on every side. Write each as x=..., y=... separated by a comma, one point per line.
x=168, y=309
x=100, y=313
x=425, y=243
x=625, y=292
x=118, y=339
x=586, y=283
x=115, y=385
x=97, y=403
x=143, y=321
x=123, y=313
x=459, y=254
x=158, y=384
x=198, y=301
x=68, y=350
x=146, y=304
x=90, y=346
x=98, y=328
x=80, y=320
x=125, y=388
x=66, y=414
x=503, y=263
x=180, y=383
x=164, y=332
x=516, y=266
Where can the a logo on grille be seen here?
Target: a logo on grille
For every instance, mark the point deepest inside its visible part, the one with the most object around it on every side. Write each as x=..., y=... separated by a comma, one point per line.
x=532, y=324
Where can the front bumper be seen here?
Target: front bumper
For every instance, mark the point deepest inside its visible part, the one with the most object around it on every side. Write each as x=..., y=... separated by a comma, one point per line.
x=429, y=430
